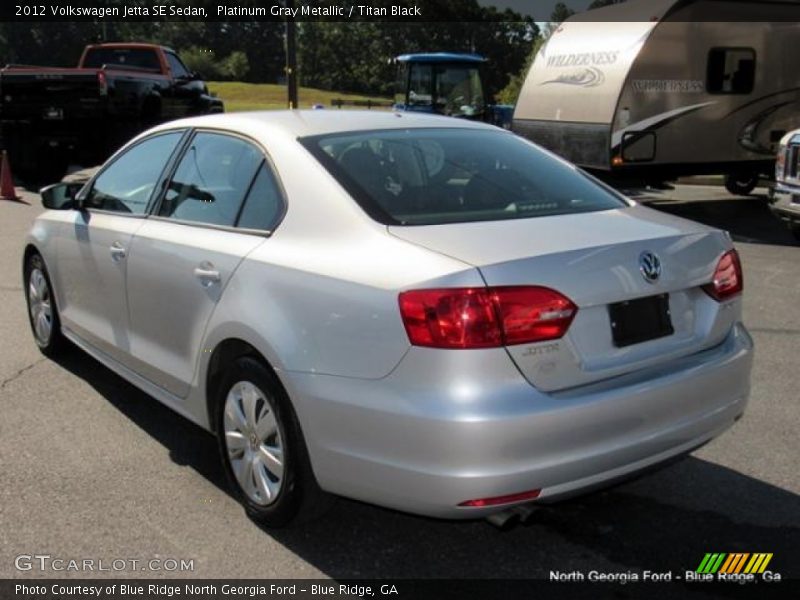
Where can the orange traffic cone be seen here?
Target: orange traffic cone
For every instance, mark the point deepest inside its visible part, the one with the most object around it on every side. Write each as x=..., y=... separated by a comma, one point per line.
x=7, y=191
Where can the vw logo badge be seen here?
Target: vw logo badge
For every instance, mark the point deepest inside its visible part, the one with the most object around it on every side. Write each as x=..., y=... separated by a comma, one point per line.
x=650, y=266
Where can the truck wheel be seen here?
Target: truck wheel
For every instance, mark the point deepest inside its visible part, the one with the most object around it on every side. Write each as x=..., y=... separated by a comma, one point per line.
x=741, y=184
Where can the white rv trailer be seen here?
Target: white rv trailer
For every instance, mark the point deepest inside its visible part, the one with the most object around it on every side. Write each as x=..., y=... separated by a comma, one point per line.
x=656, y=89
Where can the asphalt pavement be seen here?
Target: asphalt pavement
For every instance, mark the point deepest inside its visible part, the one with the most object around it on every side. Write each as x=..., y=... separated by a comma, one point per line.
x=92, y=468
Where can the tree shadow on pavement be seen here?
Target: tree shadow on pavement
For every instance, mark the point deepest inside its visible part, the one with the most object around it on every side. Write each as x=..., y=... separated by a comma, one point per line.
x=664, y=521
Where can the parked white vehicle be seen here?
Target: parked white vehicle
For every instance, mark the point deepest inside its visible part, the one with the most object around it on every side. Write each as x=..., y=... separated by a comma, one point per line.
x=785, y=195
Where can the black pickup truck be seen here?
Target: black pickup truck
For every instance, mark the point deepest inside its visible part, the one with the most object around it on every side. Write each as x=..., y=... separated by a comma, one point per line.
x=53, y=117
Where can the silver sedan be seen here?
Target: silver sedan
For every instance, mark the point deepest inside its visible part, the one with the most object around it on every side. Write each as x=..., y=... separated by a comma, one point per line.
x=423, y=313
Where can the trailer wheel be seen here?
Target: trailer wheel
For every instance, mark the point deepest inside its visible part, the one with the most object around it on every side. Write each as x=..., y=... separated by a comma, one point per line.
x=741, y=184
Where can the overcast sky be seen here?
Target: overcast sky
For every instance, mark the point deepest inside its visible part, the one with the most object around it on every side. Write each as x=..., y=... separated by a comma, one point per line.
x=538, y=9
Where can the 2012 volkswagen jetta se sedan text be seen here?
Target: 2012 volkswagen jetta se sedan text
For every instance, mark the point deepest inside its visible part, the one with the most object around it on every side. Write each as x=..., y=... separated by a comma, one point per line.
x=423, y=313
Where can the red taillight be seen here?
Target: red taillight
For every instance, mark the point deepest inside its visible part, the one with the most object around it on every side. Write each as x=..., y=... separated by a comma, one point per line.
x=485, y=317
x=727, y=281
x=102, y=83
x=531, y=495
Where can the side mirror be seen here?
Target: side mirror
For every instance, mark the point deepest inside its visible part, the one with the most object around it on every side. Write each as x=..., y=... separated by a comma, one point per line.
x=60, y=196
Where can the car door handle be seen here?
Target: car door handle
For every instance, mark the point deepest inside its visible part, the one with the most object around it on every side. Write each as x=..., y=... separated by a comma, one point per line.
x=207, y=275
x=117, y=252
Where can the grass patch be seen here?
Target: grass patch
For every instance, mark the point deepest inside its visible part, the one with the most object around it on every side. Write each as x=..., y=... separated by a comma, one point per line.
x=239, y=96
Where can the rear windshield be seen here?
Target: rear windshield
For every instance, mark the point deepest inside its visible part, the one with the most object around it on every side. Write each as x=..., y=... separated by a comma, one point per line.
x=435, y=176
x=138, y=58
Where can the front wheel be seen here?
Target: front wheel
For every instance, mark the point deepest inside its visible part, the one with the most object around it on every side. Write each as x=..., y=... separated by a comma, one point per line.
x=741, y=184
x=262, y=447
x=42, y=309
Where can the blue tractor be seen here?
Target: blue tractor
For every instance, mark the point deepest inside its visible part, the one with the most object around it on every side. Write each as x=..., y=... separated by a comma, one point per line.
x=449, y=84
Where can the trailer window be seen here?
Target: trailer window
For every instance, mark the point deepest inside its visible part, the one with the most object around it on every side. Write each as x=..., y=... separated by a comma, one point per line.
x=422, y=176
x=731, y=70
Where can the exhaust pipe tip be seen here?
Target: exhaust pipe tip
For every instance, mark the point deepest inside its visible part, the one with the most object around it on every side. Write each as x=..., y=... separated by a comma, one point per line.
x=525, y=512
x=509, y=518
x=504, y=520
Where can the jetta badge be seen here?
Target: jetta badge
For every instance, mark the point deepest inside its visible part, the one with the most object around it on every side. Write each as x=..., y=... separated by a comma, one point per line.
x=650, y=266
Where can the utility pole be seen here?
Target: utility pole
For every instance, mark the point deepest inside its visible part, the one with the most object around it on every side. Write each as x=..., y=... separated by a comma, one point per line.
x=291, y=56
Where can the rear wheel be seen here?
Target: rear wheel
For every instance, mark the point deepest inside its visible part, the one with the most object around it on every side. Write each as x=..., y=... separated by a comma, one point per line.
x=42, y=309
x=741, y=184
x=262, y=447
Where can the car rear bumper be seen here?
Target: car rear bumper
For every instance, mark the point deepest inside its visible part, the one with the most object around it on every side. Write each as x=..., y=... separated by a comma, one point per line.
x=450, y=426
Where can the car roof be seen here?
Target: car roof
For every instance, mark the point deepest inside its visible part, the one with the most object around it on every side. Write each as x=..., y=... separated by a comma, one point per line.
x=301, y=123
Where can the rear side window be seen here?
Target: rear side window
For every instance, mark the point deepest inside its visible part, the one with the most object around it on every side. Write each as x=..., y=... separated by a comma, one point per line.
x=264, y=203
x=432, y=176
x=211, y=180
x=731, y=70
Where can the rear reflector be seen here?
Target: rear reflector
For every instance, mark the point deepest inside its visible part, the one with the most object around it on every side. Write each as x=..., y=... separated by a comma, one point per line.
x=485, y=317
x=102, y=83
x=727, y=281
x=531, y=495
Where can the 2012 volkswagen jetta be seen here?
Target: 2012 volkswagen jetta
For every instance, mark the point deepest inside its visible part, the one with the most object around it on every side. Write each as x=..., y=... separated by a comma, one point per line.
x=423, y=313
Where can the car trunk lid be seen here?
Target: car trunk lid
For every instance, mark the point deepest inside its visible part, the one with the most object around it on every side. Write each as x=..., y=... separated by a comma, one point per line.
x=595, y=260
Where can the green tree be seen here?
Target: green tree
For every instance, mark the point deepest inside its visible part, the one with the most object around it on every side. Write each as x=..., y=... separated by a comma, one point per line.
x=202, y=60
x=235, y=66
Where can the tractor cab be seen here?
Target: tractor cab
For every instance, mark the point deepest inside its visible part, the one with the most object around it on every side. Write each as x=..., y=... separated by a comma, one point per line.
x=441, y=82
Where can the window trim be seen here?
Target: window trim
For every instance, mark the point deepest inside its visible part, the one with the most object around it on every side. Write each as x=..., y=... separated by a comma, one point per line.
x=87, y=189
x=728, y=48
x=266, y=162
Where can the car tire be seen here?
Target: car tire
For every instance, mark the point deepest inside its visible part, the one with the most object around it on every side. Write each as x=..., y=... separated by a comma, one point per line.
x=42, y=310
x=262, y=447
x=741, y=184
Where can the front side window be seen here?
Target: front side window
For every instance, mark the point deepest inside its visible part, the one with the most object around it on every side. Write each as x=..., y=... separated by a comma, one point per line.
x=125, y=186
x=731, y=70
x=433, y=176
x=211, y=180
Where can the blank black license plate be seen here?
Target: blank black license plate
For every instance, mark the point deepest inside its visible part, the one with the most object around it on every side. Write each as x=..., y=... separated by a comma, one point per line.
x=636, y=321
